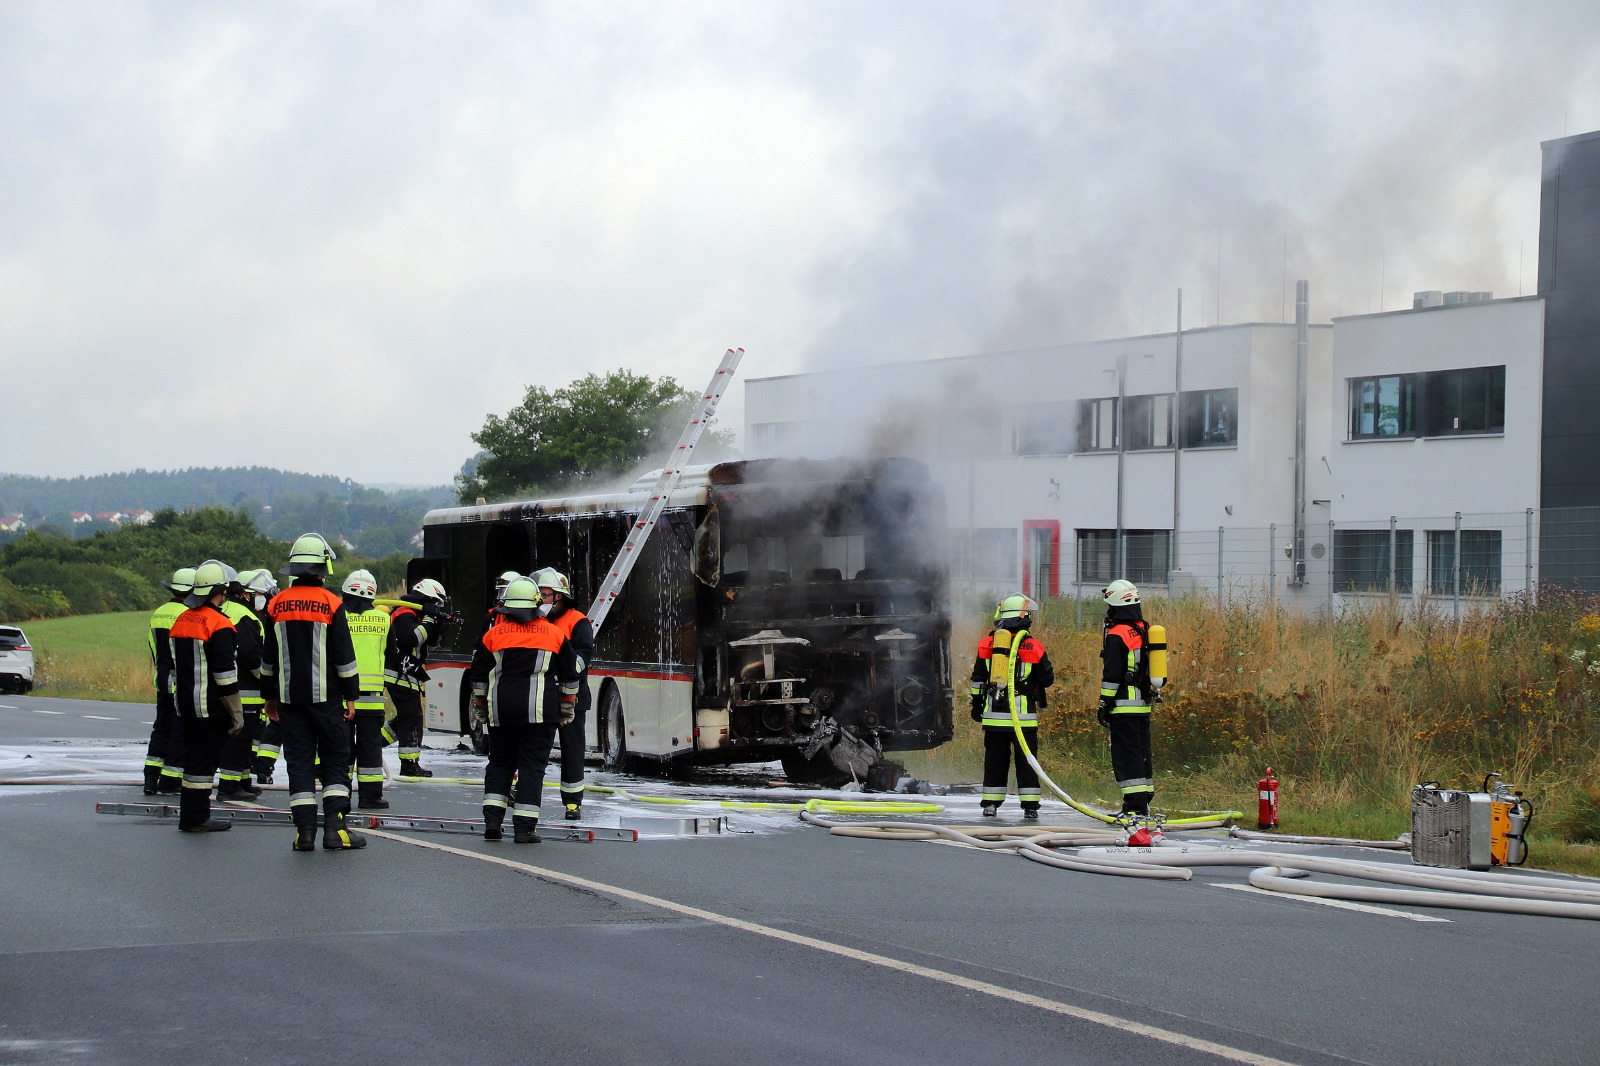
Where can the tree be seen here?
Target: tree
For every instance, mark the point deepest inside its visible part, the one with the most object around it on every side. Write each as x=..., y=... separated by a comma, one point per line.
x=591, y=430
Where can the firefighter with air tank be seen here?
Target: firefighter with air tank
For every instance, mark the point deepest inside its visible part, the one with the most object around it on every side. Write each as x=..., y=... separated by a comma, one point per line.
x=1133, y=658
x=238, y=751
x=555, y=594
x=413, y=629
x=163, y=760
x=1009, y=680
x=206, y=664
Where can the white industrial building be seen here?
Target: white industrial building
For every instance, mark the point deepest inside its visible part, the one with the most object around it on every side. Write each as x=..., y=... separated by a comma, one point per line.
x=1410, y=417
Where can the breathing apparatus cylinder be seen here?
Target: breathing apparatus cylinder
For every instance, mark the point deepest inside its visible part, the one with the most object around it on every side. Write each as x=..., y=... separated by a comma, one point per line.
x=1158, y=657
x=1000, y=664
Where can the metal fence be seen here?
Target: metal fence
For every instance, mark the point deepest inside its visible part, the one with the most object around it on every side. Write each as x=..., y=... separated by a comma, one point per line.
x=1448, y=561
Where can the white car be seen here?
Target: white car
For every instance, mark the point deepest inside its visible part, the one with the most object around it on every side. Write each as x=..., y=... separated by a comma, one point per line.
x=16, y=660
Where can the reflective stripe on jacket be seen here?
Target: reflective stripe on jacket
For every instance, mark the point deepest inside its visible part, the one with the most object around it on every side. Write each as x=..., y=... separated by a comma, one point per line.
x=251, y=637
x=575, y=626
x=406, y=650
x=161, y=620
x=523, y=667
x=308, y=650
x=369, y=635
x=204, y=665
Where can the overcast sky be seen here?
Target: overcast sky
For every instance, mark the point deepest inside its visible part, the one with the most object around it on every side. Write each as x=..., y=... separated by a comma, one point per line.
x=331, y=236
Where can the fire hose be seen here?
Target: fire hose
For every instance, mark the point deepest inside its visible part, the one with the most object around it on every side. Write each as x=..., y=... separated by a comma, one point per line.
x=1272, y=871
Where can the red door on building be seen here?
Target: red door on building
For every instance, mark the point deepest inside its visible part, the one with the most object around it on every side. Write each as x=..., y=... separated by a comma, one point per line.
x=1041, y=557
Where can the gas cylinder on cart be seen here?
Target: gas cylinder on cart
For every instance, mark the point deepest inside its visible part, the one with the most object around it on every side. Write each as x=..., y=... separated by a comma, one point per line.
x=1267, y=815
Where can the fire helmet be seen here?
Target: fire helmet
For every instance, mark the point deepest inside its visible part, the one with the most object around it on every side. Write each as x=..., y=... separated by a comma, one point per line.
x=521, y=601
x=1121, y=593
x=1014, y=606
x=551, y=578
x=430, y=589
x=210, y=577
x=310, y=555
x=360, y=584
x=182, y=580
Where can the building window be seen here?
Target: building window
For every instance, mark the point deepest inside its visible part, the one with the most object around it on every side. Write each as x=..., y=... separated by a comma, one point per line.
x=1097, y=425
x=1210, y=418
x=1147, y=552
x=1383, y=406
x=1480, y=561
x=1467, y=401
x=1361, y=560
x=1149, y=422
x=1046, y=429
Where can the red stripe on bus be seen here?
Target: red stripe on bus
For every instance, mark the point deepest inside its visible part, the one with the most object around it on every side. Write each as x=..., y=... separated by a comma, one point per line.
x=646, y=675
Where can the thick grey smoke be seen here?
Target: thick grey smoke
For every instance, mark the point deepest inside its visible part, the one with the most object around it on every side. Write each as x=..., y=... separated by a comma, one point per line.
x=411, y=211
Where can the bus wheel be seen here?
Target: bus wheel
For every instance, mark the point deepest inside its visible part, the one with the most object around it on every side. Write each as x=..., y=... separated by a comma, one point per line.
x=472, y=732
x=817, y=770
x=613, y=732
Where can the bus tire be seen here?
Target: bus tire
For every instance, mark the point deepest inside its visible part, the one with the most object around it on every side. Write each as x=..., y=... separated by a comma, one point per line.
x=472, y=732
x=613, y=732
x=817, y=770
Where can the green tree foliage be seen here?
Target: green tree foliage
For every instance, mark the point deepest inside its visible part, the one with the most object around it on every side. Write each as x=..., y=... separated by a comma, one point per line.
x=591, y=430
x=24, y=605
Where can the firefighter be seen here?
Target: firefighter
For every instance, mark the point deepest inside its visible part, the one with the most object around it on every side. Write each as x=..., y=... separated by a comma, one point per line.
x=309, y=668
x=411, y=630
x=205, y=681
x=555, y=594
x=369, y=633
x=524, y=678
x=1010, y=674
x=235, y=763
x=1125, y=695
x=163, y=759
x=259, y=588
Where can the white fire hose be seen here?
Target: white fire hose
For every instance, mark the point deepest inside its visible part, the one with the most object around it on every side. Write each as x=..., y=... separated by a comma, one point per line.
x=1274, y=871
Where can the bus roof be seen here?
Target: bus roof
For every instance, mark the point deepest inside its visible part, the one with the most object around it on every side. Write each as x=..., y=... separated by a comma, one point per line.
x=694, y=487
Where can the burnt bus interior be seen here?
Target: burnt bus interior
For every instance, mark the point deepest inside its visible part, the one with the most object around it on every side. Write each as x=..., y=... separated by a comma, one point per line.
x=806, y=598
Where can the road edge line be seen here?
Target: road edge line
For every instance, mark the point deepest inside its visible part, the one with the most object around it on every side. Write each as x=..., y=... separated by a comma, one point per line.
x=1342, y=904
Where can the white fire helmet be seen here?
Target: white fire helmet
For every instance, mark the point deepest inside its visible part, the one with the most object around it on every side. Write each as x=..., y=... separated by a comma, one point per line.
x=1121, y=593
x=551, y=578
x=430, y=589
x=361, y=584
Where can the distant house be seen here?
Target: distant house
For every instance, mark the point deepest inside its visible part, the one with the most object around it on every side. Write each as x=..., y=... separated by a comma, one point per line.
x=114, y=517
x=140, y=518
x=345, y=544
x=80, y=517
x=12, y=523
x=416, y=540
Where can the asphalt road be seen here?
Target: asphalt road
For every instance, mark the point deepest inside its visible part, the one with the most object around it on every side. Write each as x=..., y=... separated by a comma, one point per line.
x=125, y=941
x=29, y=718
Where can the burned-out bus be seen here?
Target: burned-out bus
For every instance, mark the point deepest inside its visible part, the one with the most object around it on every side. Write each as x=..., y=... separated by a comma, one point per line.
x=782, y=609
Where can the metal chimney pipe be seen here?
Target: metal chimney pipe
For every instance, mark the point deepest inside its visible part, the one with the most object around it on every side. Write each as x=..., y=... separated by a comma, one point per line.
x=1302, y=332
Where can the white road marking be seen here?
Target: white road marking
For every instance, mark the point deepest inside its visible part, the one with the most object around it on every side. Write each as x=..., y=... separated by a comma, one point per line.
x=1342, y=904
x=1166, y=1036
x=8, y=707
x=99, y=717
x=36, y=710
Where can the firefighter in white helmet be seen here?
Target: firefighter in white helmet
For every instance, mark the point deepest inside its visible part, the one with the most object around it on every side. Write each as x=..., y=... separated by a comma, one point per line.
x=312, y=682
x=369, y=634
x=259, y=588
x=1125, y=695
x=1009, y=680
x=205, y=686
x=412, y=630
x=555, y=593
x=163, y=759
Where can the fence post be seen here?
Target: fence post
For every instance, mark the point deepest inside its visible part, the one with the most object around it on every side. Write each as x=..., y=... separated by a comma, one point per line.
x=1455, y=573
x=1272, y=559
x=1333, y=561
x=1527, y=556
x=1394, y=566
x=1219, y=564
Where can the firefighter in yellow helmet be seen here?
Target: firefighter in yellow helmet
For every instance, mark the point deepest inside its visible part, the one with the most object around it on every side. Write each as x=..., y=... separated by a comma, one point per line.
x=163, y=759
x=205, y=686
x=1125, y=695
x=1009, y=680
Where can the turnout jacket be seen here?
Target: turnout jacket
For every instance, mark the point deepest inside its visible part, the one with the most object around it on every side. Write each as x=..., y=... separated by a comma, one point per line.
x=1029, y=676
x=161, y=620
x=575, y=626
x=205, y=660
x=308, y=656
x=1125, y=676
x=524, y=668
x=369, y=633
x=406, y=654
x=251, y=637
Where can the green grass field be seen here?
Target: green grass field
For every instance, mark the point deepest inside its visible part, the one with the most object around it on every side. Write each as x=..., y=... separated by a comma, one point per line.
x=92, y=656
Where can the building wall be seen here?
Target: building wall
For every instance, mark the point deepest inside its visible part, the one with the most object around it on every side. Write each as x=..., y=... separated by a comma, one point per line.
x=1569, y=279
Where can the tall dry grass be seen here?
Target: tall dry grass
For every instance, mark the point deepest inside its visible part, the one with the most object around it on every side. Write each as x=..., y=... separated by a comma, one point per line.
x=1351, y=710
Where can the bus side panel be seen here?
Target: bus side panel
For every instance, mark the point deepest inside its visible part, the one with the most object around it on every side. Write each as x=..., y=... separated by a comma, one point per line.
x=659, y=708
x=443, y=711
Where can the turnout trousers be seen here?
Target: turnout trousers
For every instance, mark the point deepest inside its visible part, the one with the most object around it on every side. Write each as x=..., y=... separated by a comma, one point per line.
x=1130, y=760
x=572, y=743
x=522, y=749
x=202, y=744
x=163, y=760
x=312, y=731
x=269, y=745
x=366, y=739
x=235, y=763
x=407, y=721
x=1000, y=749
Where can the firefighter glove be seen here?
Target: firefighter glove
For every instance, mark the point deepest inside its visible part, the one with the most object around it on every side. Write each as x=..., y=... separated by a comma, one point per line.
x=480, y=710
x=569, y=709
x=1103, y=713
x=977, y=708
x=235, y=707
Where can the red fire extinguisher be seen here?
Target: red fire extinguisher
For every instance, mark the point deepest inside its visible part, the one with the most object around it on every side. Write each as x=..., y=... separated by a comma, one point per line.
x=1267, y=816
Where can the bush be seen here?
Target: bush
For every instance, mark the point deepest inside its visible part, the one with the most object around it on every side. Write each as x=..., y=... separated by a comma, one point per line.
x=89, y=588
x=27, y=604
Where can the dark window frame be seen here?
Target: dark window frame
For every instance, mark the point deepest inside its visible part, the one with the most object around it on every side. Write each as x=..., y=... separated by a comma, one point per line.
x=1091, y=424
x=1195, y=411
x=1407, y=402
x=1361, y=560
x=1482, y=561
x=1140, y=422
x=1148, y=555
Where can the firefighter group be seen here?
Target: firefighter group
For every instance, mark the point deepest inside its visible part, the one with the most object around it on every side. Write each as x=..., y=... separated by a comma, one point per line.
x=246, y=671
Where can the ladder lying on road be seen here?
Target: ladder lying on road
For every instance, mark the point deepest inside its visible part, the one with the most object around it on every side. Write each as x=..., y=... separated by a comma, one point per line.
x=670, y=473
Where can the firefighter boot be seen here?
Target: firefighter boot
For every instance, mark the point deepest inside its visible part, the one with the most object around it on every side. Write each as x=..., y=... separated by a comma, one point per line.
x=335, y=835
x=152, y=780
x=990, y=809
x=493, y=817
x=412, y=768
x=1030, y=812
x=194, y=812
x=527, y=830
x=171, y=782
x=574, y=812
x=305, y=826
